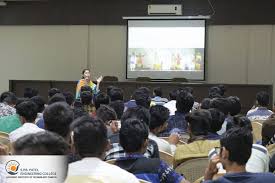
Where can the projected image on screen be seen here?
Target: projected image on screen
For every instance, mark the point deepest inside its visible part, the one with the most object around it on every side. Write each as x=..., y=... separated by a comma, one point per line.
x=166, y=49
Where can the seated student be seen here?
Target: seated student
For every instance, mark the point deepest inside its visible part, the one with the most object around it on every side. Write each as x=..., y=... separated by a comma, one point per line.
x=87, y=102
x=259, y=159
x=143, y=115
x=158, y=97
x=133, y=137
x=235, y=151
x=115, y=94
x=7, y=103
x=89, y=136
x=261, y=112
x=52, y=92
x=189, y=89
x=215, y=92
x=205, y=103
x=30, y=92
x=268, y=130
x=69, y=96
x=177, y=122
x=27, y=112
x=199, y=144
x=141, y=97
x=40, y=102
x=101, y=98
x=118, y=106
x=158, y=123
x=215, y=124
x=171, y=105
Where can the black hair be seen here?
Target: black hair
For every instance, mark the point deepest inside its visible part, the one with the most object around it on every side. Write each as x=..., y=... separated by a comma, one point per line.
x=222, y=89
x=132, y=135
x=239, y=121
x=41, y=143
x=116, y=94
x=28, y=110
x=40, y=102
x=69, y=96
x=53, y=91
x=86, y=88
x=142, y=97
x=30, y=92
x=234, y=105
x=199, y=122
x=58, y=117
x=158, y=91
x=106, y=113
x=215, y=90
x=21, y=99
x=220, y=103
x=185, y=102
x=159, y=115
x=173, y=94
x=86, y=97
x=238, y=142
x=101, y=98
x=89, y=136
x=118, y=106
x=217, y=120
x=109, y=88
x=263, y=98
x=139, y=112
x=205, y=103
x=189, y=89
x=58, y=97
x=11, y=99
x=83, y=71
x=6, y=96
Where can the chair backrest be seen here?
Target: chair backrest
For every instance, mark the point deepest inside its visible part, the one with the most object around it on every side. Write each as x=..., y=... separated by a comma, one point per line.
x=111, y=161
x=143, y=79
x=168, y=158
x=143, y=181
x=193, y=169
x=271, y=149
x=179, y=80
x=110, y=78
x=4, y=141
x=4, y=134
x=257, y=131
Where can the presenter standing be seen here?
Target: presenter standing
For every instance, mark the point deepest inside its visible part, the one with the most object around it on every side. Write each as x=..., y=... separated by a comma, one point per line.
x=86, y=81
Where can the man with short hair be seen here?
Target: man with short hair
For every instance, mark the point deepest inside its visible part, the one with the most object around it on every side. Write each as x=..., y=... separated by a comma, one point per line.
x=236, y=146
x=158, y=97
x=7, y=103
x=171, y=105
x=134, y=139
x=261, y=112
x=101, y=98
x=215, y=124
x=27, y=112
x=90, y=141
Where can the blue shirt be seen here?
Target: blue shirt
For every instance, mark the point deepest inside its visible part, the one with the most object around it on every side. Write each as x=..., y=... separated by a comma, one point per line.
x=176, y=124
x=245, y=177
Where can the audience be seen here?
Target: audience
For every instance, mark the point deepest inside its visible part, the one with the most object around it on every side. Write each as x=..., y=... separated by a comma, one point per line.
x=134, y=139
x=215, y=124
x=27, y=112
x=115, y=94
x=157, y=93
x=118, y=106
x=7, y=103
x=171, y=105
x=268, y=130
x=69, y=96
x=236, y=147
x=90, y=142
x=101, y=98
x=87, y=102
x=40, y=102
x=260, y=112
x=141, y=97
x=30, y=92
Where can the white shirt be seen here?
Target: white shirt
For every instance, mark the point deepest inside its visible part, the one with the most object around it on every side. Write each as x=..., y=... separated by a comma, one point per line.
x=171, y=105
x=99, y=170
x=259, y=160
x=163, y=145
x=27, y=128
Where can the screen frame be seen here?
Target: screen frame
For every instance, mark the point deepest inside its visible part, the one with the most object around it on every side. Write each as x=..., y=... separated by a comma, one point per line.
x=160, y=19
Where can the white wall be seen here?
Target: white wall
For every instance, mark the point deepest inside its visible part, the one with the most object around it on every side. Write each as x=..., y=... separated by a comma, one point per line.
x=235, y=54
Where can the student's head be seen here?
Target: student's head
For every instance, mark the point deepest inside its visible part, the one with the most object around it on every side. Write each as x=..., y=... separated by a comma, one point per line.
x=101, y=98
x=86, y=74
x=115, y=94
x=199, y=122
x=188, y=89
x=40, y=102
x=158, y=92
x=173, y=94
x=53, y=91
x=133, y=136
x=139, y=112
x=89, y=137
x=42, y=143
x=222, y=89
x=86, y=88
x=220, y=103
x=262, y=98
x=236, y=145
x=8, y=97
x=118, y=106
x=205, y=103
x=215, y=91
x=109, y=88
x=142, y=97
x=159, y=117
x=185, y=102
x=106, y=113
x=217, y=120
x=69, y=96
x=234, y=106
x=268, y=130
x=86, y=97
x=27, y=111
x=58, y=117
x=58, y=97
x=239, y=121
x=30, y=92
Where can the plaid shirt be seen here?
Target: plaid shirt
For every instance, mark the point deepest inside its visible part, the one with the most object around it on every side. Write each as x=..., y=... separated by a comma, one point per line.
x=117, y=151
x=6, y=110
